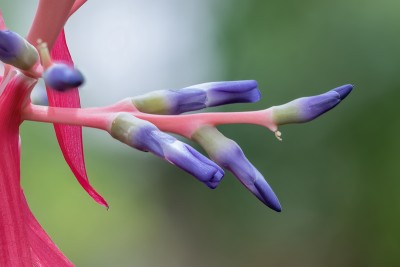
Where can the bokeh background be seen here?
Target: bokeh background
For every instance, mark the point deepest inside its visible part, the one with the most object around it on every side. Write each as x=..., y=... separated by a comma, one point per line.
x=338, y=178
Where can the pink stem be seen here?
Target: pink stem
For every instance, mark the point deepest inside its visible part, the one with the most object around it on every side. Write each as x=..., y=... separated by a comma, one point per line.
x=49, y=20
x=76, y=6
x=2, y=24
x=184, y=125
x=70, y=116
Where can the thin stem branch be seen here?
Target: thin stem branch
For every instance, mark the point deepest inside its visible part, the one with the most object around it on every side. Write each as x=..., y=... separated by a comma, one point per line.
x=76, y=6
x=184, y=125
x=70, y=116
x=49, y=20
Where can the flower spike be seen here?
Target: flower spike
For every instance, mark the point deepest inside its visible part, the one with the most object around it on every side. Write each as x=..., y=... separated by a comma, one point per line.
x=16, y=51
x=140, y=122
x=197, y=97
x=229, y=155
x=144, y=136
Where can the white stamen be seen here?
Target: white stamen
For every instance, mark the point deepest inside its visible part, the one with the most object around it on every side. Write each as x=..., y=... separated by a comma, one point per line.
x=44, y=53
x=278, y=135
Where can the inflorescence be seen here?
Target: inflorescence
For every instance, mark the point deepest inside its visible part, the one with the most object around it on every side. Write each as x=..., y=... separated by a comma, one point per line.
x=142, y=122
x=133, y=122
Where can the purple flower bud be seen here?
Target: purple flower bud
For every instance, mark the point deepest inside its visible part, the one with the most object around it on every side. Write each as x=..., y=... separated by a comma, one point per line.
x=233, y=159
x=221, y=93
x=145, y=136
x=343, y=90
x=171, y=101
x=10, y=45
x=187, y=100
x=62, y=77
x=16, y=51
x=197, y=97
x=229, y=155
x=308, y=108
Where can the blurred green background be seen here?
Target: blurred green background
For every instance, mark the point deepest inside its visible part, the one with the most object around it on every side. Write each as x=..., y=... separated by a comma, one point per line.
x=337, y=177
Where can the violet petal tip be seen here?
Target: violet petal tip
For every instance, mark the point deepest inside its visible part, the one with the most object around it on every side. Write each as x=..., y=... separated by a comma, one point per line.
x=343, y=90
x=268, y=195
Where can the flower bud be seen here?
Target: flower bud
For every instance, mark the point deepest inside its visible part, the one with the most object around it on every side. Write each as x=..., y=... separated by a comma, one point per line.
x=308, y=108
x=171, y=101
x=197, y=97
x=17, y=51
x=62, y=77
x=222, y=93
x=229, y=155
x=144, y=136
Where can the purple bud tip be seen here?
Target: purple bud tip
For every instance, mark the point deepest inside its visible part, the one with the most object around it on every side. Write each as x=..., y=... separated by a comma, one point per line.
x=16, y=51
x=228, y=154
x=62, y=77
x=221, y=93
x=268, y=196
x=10, y=45
x=191, y=161
x=201, y=167
x=343, y=90
x=184, y=100
x=147, y=137
x=315, y=106
x=308, y=108
x=232, y=157
x=252, y=179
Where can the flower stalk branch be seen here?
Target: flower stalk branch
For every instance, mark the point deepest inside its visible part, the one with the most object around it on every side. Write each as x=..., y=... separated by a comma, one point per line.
x=184, y=125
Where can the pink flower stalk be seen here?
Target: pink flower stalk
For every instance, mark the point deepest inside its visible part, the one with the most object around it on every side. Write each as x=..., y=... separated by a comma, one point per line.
x=140, y=122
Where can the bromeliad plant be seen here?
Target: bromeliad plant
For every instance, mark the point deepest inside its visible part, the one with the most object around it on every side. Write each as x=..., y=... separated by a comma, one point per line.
x=140, y=122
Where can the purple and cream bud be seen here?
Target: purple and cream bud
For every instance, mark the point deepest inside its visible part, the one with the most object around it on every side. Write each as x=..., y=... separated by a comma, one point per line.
x=197, y=97
x=308, y=108
x=228, y=154
x=145, y=136
x=171, y=101
x=222, y=93
x=17, y=51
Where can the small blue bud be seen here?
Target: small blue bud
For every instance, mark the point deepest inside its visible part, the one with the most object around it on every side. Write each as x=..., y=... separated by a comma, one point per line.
x=62, y=77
